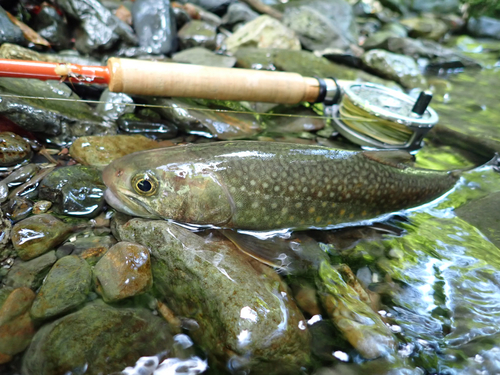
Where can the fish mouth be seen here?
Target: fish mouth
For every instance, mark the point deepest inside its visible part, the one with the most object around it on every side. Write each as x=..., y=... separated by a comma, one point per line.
x=126, y=204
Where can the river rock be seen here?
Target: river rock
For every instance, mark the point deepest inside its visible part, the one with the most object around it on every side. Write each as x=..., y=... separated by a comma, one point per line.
x=5, y=230
x=124, y=271
x=322, y=24
x=65, y=288
x=76, y=190
x=210, y=281
x=400, y=68
x=10, y=32
x=215, y=6
x=31, y=273
x=147, y=122
x=114, y=104
x=202, y=56
x=263, y=32
x=13, y=149
x=38, y=234
x=197, y=34
x=90, y=248
x=52, y=26
x=154, y=23
x=485, y=27
x=434, y=6
x=238, y=12
x=425, y=27
x=100, y=151
x=16, y=327
x=41, y=207
x=100, y=338
x=17, y=208
x=99, y=28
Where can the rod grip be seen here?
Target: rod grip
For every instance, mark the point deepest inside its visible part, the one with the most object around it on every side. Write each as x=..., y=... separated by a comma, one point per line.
x=184, y=80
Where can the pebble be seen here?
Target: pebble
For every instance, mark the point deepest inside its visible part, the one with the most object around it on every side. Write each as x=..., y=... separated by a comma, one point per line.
x=17, y=208
x=124, y=271
x=41, y=207
x=13, y=149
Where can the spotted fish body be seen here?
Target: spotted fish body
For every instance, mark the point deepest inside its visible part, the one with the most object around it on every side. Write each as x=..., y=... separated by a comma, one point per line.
x=267, y=186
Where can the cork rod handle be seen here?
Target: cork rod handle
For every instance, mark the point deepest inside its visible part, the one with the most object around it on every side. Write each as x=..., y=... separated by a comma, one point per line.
x=195, y=81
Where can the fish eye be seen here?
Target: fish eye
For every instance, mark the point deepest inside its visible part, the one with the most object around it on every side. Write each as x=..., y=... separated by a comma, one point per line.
x=145, y=184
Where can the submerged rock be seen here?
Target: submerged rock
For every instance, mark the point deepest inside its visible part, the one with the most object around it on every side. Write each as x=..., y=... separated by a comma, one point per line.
x=202, y=56
x=100, y=338
x=38, y=234
x=100, y=151
x=197, y=34
x=154, y=23
x=31, y=273
x=65, y=288
x=76, y=190
x=16, y=327
x=13, y=149
x=485, y=27
x=400, y=68
x=322, y=24
x=263, y=32
x=208, y=280
x=90, y=248
x=124, y=271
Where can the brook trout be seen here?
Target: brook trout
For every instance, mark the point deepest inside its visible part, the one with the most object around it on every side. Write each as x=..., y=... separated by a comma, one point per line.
x=266, y=186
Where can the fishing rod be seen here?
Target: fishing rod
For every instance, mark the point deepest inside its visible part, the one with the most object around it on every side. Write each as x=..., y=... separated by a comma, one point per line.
x=365, y=113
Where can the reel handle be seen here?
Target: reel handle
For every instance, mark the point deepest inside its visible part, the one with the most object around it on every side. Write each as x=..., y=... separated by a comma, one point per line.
x=203, y=82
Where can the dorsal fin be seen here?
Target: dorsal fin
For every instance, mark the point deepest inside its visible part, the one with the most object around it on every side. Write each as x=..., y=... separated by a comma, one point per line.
x=394, y=158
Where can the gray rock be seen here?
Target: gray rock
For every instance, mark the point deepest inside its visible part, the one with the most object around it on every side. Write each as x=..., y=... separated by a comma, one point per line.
x=114, y=104
x=435, y=6
x=90, y=248
x=52, y=26
x=224, y=290
x=124, y=271
x=322, y=24
x=10, y=33
x=238, y=12
x=400, y=68
x=100, y=338
x=14, y=149
x=485, y=27
x=426, y=27
x=202, y=56
x=155, y=25
x=216, y=6
x=65, y=288
x=197, y=34
x=30, y=274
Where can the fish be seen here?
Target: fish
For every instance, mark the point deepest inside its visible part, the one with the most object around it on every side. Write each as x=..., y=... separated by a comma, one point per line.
x=266, y=186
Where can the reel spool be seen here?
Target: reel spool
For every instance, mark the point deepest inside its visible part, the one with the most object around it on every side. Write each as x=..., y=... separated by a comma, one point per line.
x=375, y=116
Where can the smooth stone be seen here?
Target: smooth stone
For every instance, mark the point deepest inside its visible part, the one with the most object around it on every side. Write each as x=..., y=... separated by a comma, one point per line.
x=263, y=32
x=52, y=26
x=41, y=207
x=31, y=273
x=100, y=338
x=91, y=248
x=15, y=52
x=10, y=33
x=215, y=6
x=300, y=122
x=124, y=271
x=16, y=326
x=37, y=235
x=155, y=26
x=13, y=149
x=147, y=123
x=208, y=280
x=238, y=12
x=17, y=208
x=322, y=24
x=21, y=175
x=100, y=151
x=75, y=190
x=65, y=288
x=202, y=56
x=425, y=27
x=485, y=27
x=5, y=231
x=114, y=104
x=400, y=68
x=197, y=34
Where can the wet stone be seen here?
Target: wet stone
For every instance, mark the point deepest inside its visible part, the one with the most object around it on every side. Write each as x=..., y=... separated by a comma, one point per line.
x=114, y=104
x=263, y=32
x=17, y=208
x=13, y=149
x=238, y=12
x=400, y=68
x=51, y=25
x=152, y=127
x=10, y=32
x=202, y=56
x=65, y=288
x=5, y=230
x=197, y=34
x=426, y=27
x=38, y=234
x=76, y=190
x=100, y=151
x=41, y=207
x=155, y=25
x=113, y=339
x=485, y=27
x=16, y=327
x=124, y=271
x=91, y=248
x=31, y=273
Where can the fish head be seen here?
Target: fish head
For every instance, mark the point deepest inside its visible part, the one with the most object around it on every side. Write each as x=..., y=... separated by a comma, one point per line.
x=167, y=183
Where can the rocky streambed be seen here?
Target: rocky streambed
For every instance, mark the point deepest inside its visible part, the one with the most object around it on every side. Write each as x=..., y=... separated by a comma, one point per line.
x=87, y=290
